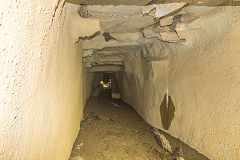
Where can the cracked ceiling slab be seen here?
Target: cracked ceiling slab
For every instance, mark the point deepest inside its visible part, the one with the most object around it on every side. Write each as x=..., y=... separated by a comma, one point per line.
x=122, y=18
x=122, y=39
x=162, y=10
x=128, y=30
x=119, y=18
x=149, y=2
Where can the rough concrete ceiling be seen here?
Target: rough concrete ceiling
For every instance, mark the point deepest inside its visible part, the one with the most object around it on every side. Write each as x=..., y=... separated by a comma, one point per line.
x=121, y=32
x=132, y=28
x=128, y=19
x=146, y=2
x=120, y=18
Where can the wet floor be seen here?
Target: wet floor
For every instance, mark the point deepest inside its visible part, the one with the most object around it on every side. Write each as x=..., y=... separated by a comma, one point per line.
x=112, y=130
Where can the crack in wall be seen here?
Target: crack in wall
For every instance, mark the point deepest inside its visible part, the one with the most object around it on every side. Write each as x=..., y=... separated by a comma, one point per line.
x=55, y=10
x=88, y=37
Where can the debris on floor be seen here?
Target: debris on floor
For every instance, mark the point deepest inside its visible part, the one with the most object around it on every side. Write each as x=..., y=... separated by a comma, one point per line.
x=104, y=118
x=110, y=134
x=162, y=140
x=78, y=146
x=115, y=104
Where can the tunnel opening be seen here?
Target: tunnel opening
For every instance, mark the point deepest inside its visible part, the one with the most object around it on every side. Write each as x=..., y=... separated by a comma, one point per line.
x=119, y=58
x=124, y=79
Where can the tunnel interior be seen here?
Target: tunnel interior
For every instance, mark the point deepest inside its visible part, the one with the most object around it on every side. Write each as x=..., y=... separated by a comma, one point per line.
x=133, y=53
x=119, y=79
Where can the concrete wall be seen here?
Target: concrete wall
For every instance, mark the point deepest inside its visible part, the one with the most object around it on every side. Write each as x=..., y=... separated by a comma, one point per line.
x=41, y=97
x=202, y=77
x=88, y=84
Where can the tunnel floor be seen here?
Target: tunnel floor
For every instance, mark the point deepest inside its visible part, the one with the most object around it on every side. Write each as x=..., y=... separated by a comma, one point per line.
x=112, y=130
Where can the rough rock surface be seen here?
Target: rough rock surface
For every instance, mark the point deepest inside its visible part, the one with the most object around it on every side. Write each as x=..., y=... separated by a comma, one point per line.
x=194, y=70
x=163, y=141
x=41, y=99
x=42, y=79
x=201, y=76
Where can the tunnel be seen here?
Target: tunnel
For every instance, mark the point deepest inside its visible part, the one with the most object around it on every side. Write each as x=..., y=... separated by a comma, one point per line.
x=119, y=79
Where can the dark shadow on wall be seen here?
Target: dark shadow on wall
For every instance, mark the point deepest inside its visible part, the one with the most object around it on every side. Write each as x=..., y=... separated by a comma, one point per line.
x=167, y=110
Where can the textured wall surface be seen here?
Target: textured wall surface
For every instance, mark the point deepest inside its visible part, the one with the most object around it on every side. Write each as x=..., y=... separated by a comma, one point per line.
x=40, y=80
x=202, y=77
x=88, y=85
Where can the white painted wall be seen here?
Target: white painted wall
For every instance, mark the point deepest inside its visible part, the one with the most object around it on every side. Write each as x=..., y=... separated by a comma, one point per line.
x=41, y=99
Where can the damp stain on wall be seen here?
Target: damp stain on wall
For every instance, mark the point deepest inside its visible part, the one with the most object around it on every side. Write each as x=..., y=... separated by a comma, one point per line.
x=167, y=110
